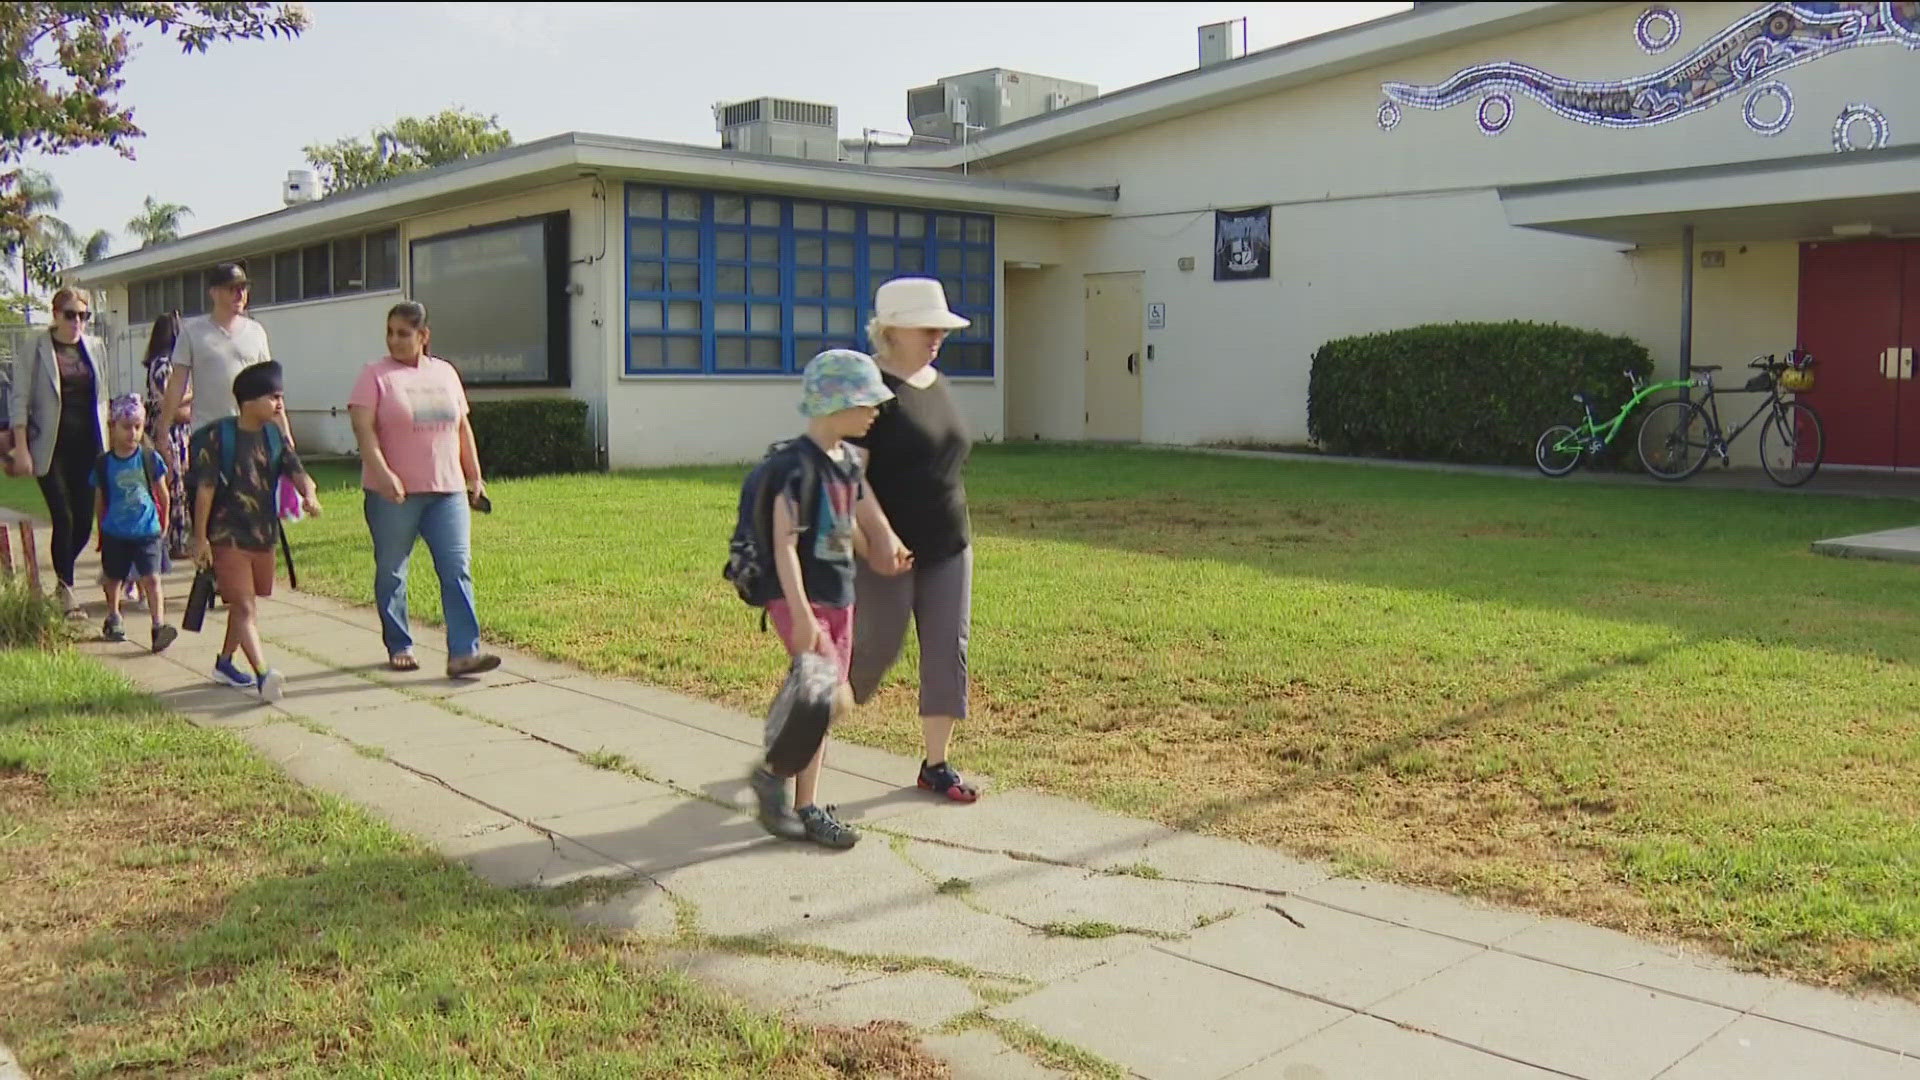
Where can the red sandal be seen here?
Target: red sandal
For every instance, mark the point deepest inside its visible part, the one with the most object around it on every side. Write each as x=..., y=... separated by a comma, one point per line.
x=942, y=780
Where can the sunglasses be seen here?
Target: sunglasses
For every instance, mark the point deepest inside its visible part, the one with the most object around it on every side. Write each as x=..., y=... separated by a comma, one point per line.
x=75, y=314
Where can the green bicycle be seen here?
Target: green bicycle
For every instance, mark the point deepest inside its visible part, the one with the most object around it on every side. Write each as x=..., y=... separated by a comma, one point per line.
x=1562, y=447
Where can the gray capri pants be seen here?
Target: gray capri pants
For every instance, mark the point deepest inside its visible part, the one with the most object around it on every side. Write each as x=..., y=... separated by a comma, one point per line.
x=939, y=598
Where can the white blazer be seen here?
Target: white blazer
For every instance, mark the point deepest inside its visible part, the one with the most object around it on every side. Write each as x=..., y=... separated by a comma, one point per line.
x=35, y=405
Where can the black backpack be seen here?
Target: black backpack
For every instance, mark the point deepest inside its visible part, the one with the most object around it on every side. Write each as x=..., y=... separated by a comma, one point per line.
x=750, y=553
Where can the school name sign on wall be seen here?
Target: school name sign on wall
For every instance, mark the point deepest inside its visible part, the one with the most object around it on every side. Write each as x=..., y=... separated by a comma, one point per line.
x=497, y=297
x=1243, y=244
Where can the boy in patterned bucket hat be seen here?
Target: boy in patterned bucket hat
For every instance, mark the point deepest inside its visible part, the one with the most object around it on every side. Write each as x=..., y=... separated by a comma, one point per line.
x=816, y=535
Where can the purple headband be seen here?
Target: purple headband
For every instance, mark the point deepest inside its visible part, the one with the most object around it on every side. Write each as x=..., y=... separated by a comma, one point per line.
x=126, y=407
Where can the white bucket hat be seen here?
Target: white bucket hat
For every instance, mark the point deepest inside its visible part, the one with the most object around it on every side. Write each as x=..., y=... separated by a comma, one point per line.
x=914, y=302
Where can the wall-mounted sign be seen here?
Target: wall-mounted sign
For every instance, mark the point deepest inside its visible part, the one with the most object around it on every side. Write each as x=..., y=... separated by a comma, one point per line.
x=1156, y=316
x=1242, y=244
x=498, y=299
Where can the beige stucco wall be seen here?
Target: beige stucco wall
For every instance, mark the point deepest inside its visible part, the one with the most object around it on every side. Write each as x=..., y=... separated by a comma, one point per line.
x=1321, y=140
x=1375, y=230
x=323, y=344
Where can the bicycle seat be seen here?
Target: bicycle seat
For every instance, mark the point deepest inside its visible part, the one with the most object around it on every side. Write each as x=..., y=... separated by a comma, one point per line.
x=1582, y=400
x=1706, y=367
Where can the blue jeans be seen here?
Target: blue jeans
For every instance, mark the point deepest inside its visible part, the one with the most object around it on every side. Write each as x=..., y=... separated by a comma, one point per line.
x=444, y=522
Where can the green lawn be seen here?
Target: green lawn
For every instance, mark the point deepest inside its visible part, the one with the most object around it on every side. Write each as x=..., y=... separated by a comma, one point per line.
x=1649, y=707
x=171, y=905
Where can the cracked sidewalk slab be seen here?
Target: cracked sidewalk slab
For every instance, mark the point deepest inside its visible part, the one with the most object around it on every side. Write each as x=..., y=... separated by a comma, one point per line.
x=869, y=902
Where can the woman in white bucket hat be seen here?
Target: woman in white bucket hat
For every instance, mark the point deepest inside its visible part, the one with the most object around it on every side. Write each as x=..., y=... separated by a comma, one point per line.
x=917, y=450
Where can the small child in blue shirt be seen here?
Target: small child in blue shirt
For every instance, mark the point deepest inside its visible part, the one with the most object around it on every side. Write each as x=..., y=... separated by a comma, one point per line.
x=130, y=501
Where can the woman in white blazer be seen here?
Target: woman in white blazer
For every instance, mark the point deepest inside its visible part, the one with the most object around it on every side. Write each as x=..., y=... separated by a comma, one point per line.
x=59, y=417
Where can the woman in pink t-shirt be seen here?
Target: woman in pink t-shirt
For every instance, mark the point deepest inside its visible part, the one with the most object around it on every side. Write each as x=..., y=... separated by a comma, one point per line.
x=421, y=472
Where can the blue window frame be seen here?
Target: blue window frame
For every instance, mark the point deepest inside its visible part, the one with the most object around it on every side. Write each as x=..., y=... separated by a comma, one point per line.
x=730, y=283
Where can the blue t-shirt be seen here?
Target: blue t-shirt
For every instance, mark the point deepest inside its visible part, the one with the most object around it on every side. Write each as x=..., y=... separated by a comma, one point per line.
x=131, y=513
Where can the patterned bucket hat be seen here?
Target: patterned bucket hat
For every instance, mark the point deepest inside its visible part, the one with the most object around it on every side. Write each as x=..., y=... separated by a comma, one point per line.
x=126, y=407
x=841, y=379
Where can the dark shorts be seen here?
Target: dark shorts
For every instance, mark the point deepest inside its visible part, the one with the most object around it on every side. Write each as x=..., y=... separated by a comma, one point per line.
x=129, y=560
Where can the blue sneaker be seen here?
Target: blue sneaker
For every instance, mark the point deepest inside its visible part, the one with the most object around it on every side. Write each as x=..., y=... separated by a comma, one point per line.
x=225, y=673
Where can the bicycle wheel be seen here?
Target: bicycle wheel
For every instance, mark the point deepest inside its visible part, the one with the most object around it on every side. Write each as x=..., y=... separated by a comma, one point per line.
x=1673, y=440
x=1792, y=444
x=1557, y=452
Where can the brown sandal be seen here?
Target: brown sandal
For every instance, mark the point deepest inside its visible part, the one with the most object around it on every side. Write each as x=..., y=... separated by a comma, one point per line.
x=460, y=667
x=403, y=662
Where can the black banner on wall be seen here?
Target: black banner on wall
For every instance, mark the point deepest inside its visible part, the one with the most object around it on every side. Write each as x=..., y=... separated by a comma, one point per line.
x=1242, y=244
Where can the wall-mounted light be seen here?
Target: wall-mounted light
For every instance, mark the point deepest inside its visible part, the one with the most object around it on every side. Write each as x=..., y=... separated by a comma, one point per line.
x=1855, y=230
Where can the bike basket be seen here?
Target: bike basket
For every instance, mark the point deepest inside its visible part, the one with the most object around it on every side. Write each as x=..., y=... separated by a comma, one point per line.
x=1796, y=380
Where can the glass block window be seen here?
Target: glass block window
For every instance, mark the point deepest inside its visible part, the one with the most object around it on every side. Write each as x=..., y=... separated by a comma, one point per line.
x=732, y=283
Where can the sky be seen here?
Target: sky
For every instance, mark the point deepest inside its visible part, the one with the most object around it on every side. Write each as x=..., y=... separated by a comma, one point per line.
x=224, y=127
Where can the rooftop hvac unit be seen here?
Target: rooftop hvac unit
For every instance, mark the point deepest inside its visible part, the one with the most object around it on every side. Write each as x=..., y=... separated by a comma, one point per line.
x=780, y=127
x=1223, y=41
x=301, y=186
x=983, y=100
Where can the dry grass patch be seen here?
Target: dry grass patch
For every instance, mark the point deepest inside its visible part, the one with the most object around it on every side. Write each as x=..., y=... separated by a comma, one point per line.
x=173, y=906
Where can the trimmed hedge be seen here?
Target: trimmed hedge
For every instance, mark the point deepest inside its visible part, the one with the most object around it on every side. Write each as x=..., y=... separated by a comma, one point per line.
x=1468, y=392
x=533, y=436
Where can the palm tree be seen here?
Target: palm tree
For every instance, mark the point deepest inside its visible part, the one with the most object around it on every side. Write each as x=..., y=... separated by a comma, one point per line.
x=47, y=245
x=96, y=246
x=157, y=222
x=40, y=244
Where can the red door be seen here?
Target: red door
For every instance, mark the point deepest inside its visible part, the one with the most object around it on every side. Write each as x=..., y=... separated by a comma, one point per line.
x=1904, y=359
x=1851, y=297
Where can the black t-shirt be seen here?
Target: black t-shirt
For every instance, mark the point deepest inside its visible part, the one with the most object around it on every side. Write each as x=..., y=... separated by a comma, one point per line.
x=916, y=453
x=79, y=408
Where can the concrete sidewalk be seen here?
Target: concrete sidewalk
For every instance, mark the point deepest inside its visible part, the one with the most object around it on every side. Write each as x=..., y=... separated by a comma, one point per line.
x=1003, y=930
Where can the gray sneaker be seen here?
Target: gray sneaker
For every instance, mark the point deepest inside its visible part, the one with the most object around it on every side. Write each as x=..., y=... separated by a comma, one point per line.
x=776, y=808
x=113, y=629
x=825, y=829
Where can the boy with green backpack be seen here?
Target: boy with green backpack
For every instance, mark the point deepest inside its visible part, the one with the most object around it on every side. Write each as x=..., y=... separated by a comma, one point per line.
x=238, y=463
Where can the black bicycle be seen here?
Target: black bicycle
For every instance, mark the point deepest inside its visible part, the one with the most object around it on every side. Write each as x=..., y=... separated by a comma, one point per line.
x=1678, y=436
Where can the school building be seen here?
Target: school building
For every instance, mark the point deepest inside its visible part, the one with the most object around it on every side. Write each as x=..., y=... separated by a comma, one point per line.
x=1158, y=263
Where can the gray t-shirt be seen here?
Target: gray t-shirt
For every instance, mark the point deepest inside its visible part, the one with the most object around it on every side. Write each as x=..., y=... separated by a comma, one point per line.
x=214, y=357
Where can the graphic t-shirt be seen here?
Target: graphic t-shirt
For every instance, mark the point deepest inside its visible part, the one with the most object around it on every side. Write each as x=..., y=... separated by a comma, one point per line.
x=826, y=542
x=131, y=512
x=416, y=417
x=244, y=512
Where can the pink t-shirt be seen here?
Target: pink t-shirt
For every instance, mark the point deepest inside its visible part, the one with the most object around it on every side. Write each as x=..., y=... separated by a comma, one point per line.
x=416, y=416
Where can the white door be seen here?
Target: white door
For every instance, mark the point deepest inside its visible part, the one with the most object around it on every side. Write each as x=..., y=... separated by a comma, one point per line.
x=1116, y=318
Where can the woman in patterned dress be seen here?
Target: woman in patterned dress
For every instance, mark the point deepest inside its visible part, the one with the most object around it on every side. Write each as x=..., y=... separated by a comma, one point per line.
x=159, y=363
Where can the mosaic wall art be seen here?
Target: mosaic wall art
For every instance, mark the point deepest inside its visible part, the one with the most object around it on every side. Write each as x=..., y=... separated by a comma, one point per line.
x=1741, y=61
